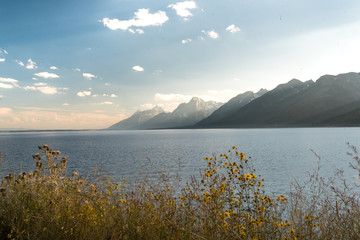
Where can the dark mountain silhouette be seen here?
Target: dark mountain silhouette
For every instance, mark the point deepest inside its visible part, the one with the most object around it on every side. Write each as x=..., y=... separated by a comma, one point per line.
x=330, y=101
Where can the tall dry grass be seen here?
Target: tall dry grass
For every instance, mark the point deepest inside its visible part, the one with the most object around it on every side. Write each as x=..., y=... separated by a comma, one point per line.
x=226, y=201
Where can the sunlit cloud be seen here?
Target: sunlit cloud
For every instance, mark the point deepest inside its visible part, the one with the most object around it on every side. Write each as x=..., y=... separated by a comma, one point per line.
x=34, y=118
x=65, y=104
x=2, y=59
x=89, y=76
x=113, y=96
x=77, y=69
x=53, y=68
x=146, y=106
x=138, y=68
x=46, y=75
x=84, y=93
x=182, y=8
x=8, y=83
x=34, y=78
x=186, y=41
x=211, y=34
x=142, y=18
x=107, y=103
x=5, y=111
x=44, y=88
x=233, y=29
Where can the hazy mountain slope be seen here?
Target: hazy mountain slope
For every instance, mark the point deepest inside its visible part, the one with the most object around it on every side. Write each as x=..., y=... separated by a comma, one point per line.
x=251, y=114
x=134, y=121
x=186, y=114
x=297, y=104
x=232, y=106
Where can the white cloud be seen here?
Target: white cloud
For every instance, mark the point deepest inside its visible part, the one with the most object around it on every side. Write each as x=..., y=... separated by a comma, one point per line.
x=3, y=51
x=170, y=101
x=2, y=59
x=43, y=89
x=211, y=34
x=65, y=104
x=20, y=63
x=172, y=97
x=46, y=75
x=31, y=64
x=139, y=31
x=84, y=93
x=106, y=103
x=182, y=8
x=8, y=83
x=40, y=84
x=131, y=30
x=146, y=106
x=113, y=96
x=88, y=76
x=233, y=29
x=142, y=18
x=34, y=78
x=1, y=96
x=186, y=41
x=77, y=69
x=138, y=68
x=53, y=68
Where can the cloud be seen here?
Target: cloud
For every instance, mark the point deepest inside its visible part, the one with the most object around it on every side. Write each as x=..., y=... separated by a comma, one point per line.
x=31, y=64
x=43, y=89
x=142, y=18
x=139, y=31
x=65, y=104
x=5, y=111
x=211, y=34
x=113, y=96
x=170, y=101
x=2, y=59
x=138, y=68
x=34, y=78
x=53, y=68
x=106, y=103
x=233, y=29
x=46, y=75
x=172, y=97
x=8, y=83
x=181, y=8
x=88, y=76
x=3, y=51
x=84, y=93
x=1, y=96
x=77, y=69
x=186, y=41
x=20, y=63
x=56, y=119
x=146, y=106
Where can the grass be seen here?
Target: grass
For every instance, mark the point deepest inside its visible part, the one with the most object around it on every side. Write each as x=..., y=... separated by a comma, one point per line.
x=226, y=201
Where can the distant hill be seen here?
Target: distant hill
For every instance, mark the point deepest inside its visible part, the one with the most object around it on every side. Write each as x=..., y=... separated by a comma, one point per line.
x=330, y=101
x=136, y=119
x=186, y=114
x=232, y=106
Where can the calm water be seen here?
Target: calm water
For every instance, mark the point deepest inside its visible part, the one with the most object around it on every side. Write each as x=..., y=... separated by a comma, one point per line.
x=277, y=153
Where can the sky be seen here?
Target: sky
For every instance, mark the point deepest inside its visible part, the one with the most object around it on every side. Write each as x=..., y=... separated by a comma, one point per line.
x=84, y=64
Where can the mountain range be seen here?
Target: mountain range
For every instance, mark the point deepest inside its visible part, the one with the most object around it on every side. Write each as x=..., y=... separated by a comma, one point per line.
x=185, y=115
x=329, y=101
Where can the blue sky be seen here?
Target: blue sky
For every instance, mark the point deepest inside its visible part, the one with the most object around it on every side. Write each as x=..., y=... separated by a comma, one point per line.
x=88, y=64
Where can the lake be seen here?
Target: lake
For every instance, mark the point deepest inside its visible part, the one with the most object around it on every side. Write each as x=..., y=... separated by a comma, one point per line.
x=278, y=154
